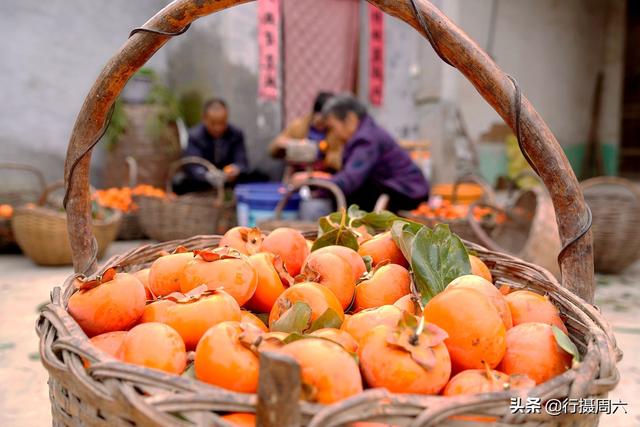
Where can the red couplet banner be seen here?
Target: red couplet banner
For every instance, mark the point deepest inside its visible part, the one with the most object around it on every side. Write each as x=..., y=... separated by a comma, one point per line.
x=269, y=49
x=376, y=55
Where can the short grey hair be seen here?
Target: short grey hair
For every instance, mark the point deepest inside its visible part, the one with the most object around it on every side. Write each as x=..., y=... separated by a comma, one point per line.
x=340, y=105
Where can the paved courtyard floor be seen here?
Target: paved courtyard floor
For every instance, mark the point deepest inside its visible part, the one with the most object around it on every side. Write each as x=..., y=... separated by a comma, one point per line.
x=24, y=400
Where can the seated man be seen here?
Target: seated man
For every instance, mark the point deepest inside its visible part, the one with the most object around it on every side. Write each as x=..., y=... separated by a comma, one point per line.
x=217, y=141
x=312, y=127
x=372, y=162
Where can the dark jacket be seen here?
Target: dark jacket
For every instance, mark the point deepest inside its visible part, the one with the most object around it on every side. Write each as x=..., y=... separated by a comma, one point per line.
x=221, y=152
x=373, y=157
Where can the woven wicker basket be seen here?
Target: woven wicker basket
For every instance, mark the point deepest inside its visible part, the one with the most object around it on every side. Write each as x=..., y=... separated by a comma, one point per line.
x=461, y=226
x=179, y=217
x=18, y=197
x=615, y=205
x=41, y=231
x=529, y=232
x=114, y=393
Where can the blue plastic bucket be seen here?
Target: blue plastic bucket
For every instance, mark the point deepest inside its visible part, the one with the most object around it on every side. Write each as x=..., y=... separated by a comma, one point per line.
x=257, y=202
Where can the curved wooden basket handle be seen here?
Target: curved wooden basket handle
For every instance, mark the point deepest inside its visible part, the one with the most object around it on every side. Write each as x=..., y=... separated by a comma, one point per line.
x=27, y=168
x=132, y=167
x=341, y=202
x=193, y=160
x=451, y=44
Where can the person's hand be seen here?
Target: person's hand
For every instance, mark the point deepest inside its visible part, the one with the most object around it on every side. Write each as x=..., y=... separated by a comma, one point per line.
x=231, y=172
x=282, y=142
x=299, y=178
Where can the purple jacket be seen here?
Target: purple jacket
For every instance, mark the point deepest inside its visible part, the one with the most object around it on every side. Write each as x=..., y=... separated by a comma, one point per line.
x=373, y=156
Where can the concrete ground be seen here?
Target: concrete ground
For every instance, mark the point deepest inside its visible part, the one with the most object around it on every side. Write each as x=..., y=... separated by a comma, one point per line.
x=24, y=399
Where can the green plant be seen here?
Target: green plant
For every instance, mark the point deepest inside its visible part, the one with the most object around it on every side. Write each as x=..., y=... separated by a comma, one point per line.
x=117, y=125
x=191, y=107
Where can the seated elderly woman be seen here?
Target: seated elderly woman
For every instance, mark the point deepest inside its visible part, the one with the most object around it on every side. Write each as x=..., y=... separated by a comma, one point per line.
x=372, y=161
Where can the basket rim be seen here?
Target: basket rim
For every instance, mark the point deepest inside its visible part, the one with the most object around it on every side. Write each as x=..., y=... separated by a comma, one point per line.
x=601, y=351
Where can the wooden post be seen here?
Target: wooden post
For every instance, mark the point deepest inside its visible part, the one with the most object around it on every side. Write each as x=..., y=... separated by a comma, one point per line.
x=278, y=391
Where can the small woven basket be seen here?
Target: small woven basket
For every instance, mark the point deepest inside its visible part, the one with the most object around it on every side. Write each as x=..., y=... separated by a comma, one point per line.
x=461, y=226
x=41, y=231
x=178, y=217
x=16, y=197
x=615, y=207
x=530, y=230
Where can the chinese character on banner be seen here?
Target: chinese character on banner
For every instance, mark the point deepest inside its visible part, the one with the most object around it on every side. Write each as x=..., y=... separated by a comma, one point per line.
x=269, y=49
x=376, y=55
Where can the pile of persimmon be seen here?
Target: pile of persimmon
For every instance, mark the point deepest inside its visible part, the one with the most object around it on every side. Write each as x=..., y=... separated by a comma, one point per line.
x=450, y=211
x=351, y=319
x=122, y=198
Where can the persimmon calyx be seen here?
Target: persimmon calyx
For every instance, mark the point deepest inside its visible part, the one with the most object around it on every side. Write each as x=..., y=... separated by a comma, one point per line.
x=217, y=254
x=193, y=295
x=287, y=279
x=369, y=274
x=420, y=349
x=251, y=336
x=252, y=238
x=82, y=283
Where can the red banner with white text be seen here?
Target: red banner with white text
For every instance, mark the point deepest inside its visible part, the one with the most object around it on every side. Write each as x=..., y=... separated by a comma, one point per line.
x=376, y=55
x=269, y=49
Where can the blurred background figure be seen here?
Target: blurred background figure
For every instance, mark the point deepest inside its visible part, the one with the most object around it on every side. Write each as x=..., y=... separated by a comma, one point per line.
x=372, y=161
x=215, y=140
x=311, y=127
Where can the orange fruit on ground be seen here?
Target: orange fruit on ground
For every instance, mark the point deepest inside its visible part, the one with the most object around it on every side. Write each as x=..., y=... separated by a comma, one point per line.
x=166, y=271
x=476, y=330
x=269, y=285
x=115, y=305
x=110, y=343
x=236, y=276
x=362, y=322
x=338, y=336
x=192, y=318
x=352, y=257
x=383, y=248
x=240, y=419
x=245, y=240
x=318, y=297
x=527, y=306
x=223, y=360
x=486, y=288
x=532, y=350
x=333, y=272
x=328, y=372
x=479, y=268
x=474, y=381
x=143, y=276
x=290, y=245
x=249, y=317
x=422, y=368
x=387, y=284
x=408, y=303
x=155, y=345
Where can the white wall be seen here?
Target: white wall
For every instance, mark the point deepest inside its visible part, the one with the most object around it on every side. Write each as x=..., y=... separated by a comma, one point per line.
x=51, y=54
x=554, y=48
